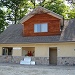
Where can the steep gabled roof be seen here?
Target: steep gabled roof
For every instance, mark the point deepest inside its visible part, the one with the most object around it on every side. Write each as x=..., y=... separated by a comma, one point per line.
x=68, y=33
x=13, y=35
x=40, y=10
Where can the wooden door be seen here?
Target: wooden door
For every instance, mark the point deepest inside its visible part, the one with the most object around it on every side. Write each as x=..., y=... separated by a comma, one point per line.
x=53, y=56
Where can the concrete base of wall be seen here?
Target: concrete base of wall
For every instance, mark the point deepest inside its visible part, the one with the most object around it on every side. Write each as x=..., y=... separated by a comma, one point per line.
x=38, y=60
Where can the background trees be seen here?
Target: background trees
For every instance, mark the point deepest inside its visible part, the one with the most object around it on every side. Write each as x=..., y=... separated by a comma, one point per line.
x=16, y=9
x=3, y=23
x=71, y=13
x=58, y=6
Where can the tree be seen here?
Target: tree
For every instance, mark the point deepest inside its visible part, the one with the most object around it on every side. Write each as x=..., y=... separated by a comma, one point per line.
x=16, y=9
x=3, y=23
x=71, y=13
x=57, y=6
x=37, y=2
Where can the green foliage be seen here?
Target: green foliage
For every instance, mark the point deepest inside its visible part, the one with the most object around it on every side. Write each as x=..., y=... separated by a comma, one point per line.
x=35, y=4
x=3, y=23
x=16, y=9
x=71, y=12
x=57, y=6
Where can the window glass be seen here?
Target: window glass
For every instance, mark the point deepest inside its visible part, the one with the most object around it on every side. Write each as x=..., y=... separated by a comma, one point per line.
x=41, y=27
x=44, y=27
x=37, y=28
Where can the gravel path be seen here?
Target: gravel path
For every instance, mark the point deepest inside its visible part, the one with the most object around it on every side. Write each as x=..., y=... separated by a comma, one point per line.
x=15, y=69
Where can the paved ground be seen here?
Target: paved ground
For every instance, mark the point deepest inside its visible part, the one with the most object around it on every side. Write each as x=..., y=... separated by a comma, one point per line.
x=15, y=69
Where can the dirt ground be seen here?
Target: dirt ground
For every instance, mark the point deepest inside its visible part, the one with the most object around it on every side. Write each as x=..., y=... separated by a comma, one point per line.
x=16, y=69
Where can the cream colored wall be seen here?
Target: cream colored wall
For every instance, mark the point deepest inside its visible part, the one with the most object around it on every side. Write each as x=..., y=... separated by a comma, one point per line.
x=66, y=50
x=42, y=50
x=16, y=51
x=63, y=49
x=0, y=50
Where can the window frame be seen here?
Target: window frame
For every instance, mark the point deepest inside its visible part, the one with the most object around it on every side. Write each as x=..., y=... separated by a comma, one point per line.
x=7, y=50
x=40, y=29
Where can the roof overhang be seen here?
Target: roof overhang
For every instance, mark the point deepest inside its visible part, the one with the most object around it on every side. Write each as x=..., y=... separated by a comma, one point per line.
x=38, y=11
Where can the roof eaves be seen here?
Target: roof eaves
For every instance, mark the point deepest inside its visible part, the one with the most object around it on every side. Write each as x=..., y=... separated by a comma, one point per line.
x=32, y=13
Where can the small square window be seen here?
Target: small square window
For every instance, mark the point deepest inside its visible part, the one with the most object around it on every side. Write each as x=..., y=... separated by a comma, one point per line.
x=41, y=27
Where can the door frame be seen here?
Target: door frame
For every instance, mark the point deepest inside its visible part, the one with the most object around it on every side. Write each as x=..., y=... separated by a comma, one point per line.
x=49, y=55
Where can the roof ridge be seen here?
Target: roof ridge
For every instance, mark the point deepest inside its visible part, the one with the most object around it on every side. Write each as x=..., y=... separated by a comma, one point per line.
x=39, y=10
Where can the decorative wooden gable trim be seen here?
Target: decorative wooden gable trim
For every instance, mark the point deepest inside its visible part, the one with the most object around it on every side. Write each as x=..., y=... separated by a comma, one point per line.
x=40, y=10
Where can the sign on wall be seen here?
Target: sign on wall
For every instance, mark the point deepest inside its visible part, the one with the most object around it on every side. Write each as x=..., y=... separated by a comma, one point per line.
x=16, y=48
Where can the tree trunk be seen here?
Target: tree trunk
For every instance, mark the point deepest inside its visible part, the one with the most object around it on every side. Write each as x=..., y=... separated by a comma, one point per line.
x=33, y=1
x=15, y=17
x=20, y=14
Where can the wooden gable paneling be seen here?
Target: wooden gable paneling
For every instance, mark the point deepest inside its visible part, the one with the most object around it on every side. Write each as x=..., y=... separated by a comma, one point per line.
x=53, y=25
